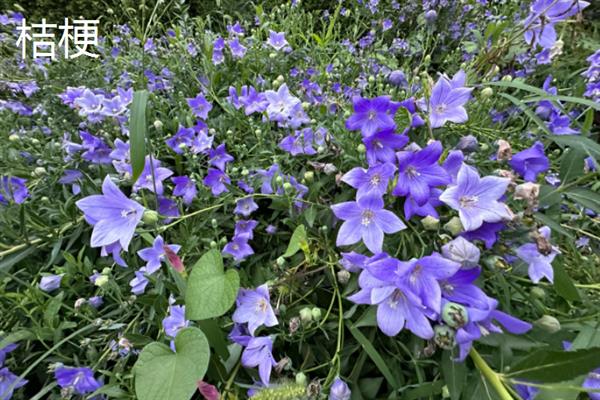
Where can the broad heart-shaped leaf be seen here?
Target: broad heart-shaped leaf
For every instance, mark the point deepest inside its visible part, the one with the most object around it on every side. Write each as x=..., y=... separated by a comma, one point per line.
x=210, y=291
x=137, y=132
x=161, y=374
x=556, y=366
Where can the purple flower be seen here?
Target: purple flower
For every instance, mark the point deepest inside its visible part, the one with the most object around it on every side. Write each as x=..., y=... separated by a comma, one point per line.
x=200, y=106
x=539, y=256
x=299, y=143
x=114, y=250
x=372, y=115
x=476, y=199
x=487, y=233
x=175, y=321
x=244, y=229
x=544, y=14
x=4, y=351
x=139, y=283
x=155, y=255
x=254, y=308
x=277, y=40
x=112, y=214
x=530, y=162
x=367, y=220
x=13, y=189
x=560, y=124
x=411, y=208
x=239, y=248
x=382, y=146
x=339, y=390
x=81, y=380
x=418, y=172
x=447, y=101
x=95, y=301
x=237, y=49
x=253, y=101
x=219, y=157
x=8, y=383
x=185, y=187
x=183, y=138
x=592, y=381
x=216, y=180
x=258, y=353
x=152, y=177
x=370, y=182
x=96, y=150
x=281, y=104
x=49, y=283
x=245, y=206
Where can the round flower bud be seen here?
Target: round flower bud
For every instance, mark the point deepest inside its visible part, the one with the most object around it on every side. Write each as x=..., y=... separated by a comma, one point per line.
x=454, y=226
x=14, y=137
x=288, y=187
x=223, y=240
x=321, y=149
x=281, y=261
x=444, y=337
x=507, y=78
x=548, y=323
x=538, y=293
x=245, y=172
x=214, y=223
x=257, y=132
x=487, y=92
x=213, y=244
x=430, y=16
x=279, y=179
x=150, y=217
x=371, y=79
x=39, y=171
x=343, y=276
x=305, y=315
x=430, y=223
x=361, y=148
x=272, y=55
x=301, y=379
x=316, y=313
x=101, y=280
x=35, y=141
x=158, y=125
x=455, y=315
x=80, y=302
x=309, y=176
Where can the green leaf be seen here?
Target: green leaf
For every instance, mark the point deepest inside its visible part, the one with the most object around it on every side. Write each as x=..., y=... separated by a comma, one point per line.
x=297, y=242
x=455, y=375
x=582, y=143
x=137, y=132
x=374, y=355
x=16, y=336
x=162, y=374
x=211, y=290
x=585, y=197
x=571, y=164
x=556, y=366
x=563, y=284
x=52, y=309
x=552, y=224
x=403, y=119
x=527, y=110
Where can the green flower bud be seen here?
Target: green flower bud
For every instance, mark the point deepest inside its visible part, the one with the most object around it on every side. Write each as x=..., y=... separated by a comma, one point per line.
x=158, y=125
x=343, y=276
x=430, y=223
x=548, y=323
x=305, y=315
x=245, y=172
x=214, y=223
x=538, y=293
x=14, y=137
x=371, y=79
x=35, y=141
x=316, y=313
x=280, y=261
x=487, y=92
x=507, y=78
x=444, y=337
x=150, y=217
x=361, y=148
x=455, y=315
x=39, y=171
x=213, y=244
x=279, y=179
x=272, y=55
x=101, y=280
x=454, y=226
x=287, y=187
x=301, y=379
x=309, y=176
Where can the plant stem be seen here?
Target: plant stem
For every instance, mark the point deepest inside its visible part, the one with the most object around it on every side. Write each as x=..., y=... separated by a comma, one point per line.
x=492, y=377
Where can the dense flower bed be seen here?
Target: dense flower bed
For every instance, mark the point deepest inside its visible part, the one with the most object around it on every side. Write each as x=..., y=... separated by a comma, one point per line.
x=387, y=200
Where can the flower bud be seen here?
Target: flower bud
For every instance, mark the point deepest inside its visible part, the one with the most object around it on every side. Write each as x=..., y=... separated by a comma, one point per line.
x=150, y=217
x=39, y=171
x=316, y=313
x=14, y=137
x=158, y=125
x=468, y=144
x=288, y=187
x=214, y=223
x=306, y=315
x=343, y=276
x=430, y=16
x=281, y=261
x=279, y=179
x=455, y=315
x=538, y=293
x=430, y=223
x=444, y=337
x=309, y=176
x=361, y=148
x=301, y=379
x=487, y=92
x=548, y=323
x=101, y=280
x=462, y=251
x=507, y=78
x=213, y=244
x=454, y=226
x=329, y=169
x=293, y=325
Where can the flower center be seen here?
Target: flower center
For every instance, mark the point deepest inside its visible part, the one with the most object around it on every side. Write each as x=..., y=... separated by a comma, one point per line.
x=261, y=306
x=440, y=108
x=371, y=115
x=468, y=201
x=375, y=180
x=412, y=172
x=367, y=217
x=128, y=213
x=395, y=298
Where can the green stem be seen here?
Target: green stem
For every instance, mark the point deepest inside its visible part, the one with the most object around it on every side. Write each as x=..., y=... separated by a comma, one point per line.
x=492, y=377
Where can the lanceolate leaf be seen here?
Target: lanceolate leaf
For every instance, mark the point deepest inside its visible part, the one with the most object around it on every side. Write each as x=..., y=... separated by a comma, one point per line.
x=137, y=132
x=556, y=366
x=585, y=197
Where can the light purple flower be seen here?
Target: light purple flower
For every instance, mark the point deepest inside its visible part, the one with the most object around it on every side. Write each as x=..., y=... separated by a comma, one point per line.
x=382, y=146
x=49, y=283
x=254, y=308
x=219, y=157
x=114, y=250
x=372, y=115
x=216, y=180
x=112, y=214
x=370, y=182
x=139, y=283
x=245, y=206
x=277, y=40
x=81, y=380
x=200, y=106
x=447, y=101
x=175, y=321
x=539, y=259
x=530, y=162
x=13, y=189
x=367, y=220
x=152, y=177
x=155, y=255
x=339, y=390
x=477, y=199
x=258, y=353
x=239, y=248
x=185, y=187
x=8, y=383
x=462, y=251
